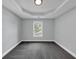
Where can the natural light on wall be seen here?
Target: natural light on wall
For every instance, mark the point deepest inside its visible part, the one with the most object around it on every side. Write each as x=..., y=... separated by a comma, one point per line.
x=38, y=2
x=37, y=29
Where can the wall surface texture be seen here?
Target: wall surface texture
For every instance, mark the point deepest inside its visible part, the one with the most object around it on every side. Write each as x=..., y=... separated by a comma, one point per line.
x=27, y=29
x=65, y=31
x=10, y=30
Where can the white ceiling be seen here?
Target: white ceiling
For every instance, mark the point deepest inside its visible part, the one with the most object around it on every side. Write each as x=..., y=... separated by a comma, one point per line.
x=48, y=9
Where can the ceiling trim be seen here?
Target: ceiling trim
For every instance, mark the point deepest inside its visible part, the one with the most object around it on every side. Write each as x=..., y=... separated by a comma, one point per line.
x=3, y=7
x=68, y=11
x=24, y=11
x=41, y=18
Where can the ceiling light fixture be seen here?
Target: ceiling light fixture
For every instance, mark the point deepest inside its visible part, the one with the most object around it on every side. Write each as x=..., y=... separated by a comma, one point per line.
x=38, y=2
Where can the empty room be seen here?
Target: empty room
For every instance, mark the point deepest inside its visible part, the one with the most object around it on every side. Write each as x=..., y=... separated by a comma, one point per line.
x=38, y=29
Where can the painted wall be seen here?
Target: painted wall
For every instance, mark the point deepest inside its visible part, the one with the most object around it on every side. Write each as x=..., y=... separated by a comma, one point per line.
x=65, y=31
x=27, y=29
x=10, y=30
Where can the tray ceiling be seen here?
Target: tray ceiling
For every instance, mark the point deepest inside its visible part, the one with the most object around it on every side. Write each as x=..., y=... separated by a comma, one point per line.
x=49, y=8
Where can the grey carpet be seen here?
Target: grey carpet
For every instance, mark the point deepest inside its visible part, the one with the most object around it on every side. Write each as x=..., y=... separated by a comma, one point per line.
x=38, y=51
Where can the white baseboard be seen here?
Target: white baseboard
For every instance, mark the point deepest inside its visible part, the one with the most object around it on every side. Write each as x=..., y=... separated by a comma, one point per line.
x=10, y=49
x=38, y=40
x=71, y=53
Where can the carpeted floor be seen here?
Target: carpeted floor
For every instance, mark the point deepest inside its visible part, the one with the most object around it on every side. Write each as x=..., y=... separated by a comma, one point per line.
x=38, y=51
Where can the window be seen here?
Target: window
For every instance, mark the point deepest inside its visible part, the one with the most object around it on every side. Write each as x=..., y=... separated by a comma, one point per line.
x=37, y=28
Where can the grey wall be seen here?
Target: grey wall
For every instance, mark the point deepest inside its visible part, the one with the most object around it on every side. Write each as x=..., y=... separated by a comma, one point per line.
x=62, y=30
x=65, y=31
x=27, y=29
x=10, y=30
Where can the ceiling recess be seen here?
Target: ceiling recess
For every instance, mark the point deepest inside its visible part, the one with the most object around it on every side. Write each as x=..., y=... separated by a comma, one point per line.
x=38, y=2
